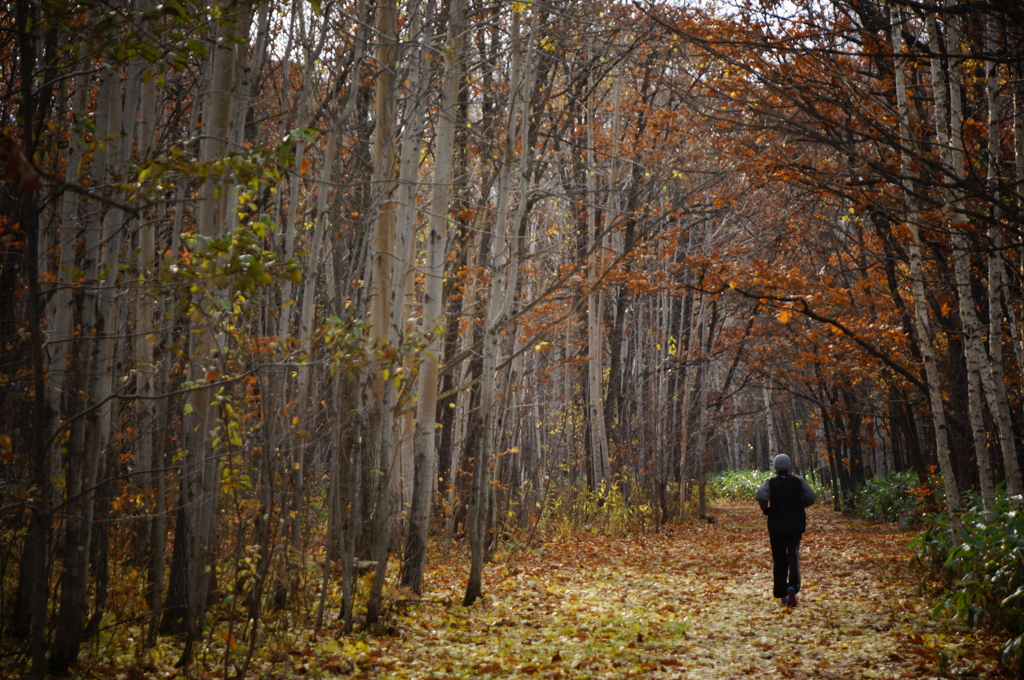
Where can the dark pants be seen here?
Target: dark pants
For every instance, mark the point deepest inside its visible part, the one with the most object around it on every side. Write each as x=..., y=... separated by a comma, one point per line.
x=786, y=559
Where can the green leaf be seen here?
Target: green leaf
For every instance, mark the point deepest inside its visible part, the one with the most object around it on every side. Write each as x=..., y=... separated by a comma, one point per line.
x=197, y=48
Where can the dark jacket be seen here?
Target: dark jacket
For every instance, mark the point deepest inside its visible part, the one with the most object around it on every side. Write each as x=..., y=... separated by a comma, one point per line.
x=783, y=498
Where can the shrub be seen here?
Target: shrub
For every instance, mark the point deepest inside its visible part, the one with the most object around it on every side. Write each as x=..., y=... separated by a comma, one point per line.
x=620, y=508
x=982, y=566
x=742, y=485
x=735, y=485
x=883, y=498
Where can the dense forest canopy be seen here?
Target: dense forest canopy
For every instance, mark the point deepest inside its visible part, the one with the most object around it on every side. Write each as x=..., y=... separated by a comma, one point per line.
x=356, y=277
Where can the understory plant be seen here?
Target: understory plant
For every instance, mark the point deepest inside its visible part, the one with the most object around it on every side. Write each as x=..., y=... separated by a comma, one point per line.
x=735, y=485
x=982, y=568
x=618, y=508
x=882, y=499
x=742, y=485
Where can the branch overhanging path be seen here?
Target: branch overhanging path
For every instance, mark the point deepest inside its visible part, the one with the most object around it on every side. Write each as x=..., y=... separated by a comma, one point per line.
x=691, y=602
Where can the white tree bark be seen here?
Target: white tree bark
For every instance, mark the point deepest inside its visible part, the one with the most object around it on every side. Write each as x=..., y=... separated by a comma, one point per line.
x=60, y=308
x=948, y=125
x=199, y=473
x=424, y=448
x=921, y=321
x=689, y=388
x=379, y=417
x=600, y=469
x=1001, y=412
x=88, y=441
x=504, y=269
x=417, y=81
x=769, y=425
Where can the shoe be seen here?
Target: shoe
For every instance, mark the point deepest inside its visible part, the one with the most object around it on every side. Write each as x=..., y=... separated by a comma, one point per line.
x=784, y=601
x=790, y=600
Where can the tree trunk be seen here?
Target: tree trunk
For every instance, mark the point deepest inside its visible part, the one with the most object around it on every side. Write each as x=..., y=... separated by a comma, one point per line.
x=296, y=466
x=379, y=417
x=503, y=284
x=996, y=264
x=84, y=463
x=32, y=586
x=917, y=282
x=433, y=304
x=948, y=124
x=600, y=469
x=199, y=478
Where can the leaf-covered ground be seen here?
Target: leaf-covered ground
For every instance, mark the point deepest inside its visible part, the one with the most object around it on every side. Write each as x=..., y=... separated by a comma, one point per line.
x=691, y=602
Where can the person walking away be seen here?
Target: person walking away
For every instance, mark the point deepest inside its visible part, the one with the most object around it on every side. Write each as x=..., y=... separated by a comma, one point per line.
x=783, y=499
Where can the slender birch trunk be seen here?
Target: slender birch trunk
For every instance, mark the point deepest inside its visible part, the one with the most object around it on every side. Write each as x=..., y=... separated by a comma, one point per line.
x=686, y=405
x=296, y=465
x=150, y=530
x=702, y=405
x=417, y=80
x=424, y=452
x=120, y=133
x=503, y=283
x=379, y=417
x=996, y=289
x=600, y=471
x=60, y=308
x=1017, y=71
x=85, y=454
x=948, y=125
x=199, y=476
x=921, y=321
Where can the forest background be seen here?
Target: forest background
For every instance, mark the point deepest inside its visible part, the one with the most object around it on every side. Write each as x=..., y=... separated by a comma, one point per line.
x=287, y=283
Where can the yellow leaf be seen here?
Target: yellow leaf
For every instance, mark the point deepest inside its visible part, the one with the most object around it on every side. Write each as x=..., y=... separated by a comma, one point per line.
x=785, y=315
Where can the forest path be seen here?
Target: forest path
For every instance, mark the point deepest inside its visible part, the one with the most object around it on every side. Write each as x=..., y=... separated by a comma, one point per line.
x=691, y=602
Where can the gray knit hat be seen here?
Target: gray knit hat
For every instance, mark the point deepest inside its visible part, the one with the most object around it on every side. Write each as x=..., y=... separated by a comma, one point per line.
x=781, y=462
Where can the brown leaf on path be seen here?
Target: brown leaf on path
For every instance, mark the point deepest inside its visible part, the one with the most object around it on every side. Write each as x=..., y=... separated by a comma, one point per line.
x=860, y=613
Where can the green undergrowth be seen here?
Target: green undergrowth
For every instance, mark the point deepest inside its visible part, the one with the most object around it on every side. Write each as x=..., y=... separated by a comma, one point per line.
x=883, y=499
x=735, y=485
x=981, y=567
x=742, y=485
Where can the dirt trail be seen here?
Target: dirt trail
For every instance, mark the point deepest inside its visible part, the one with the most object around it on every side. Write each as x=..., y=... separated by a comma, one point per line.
x=695, y=602
x=691, y=602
